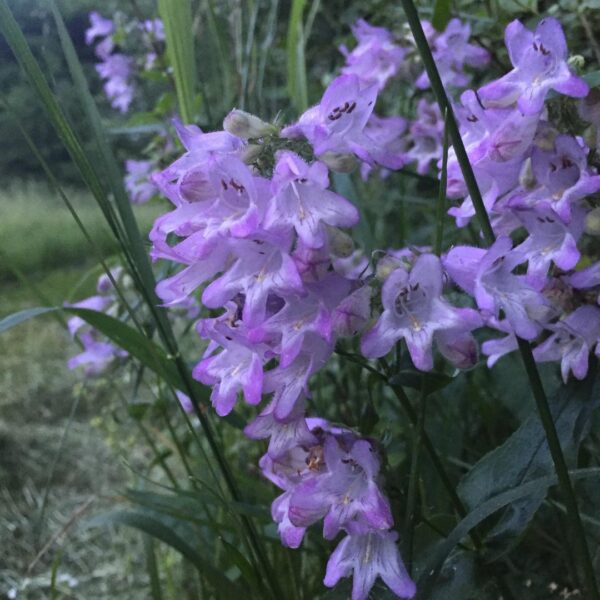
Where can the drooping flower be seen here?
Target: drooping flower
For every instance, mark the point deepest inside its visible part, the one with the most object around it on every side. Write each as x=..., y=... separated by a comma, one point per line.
x=573, y=339
x=368, y=555
x=414, y=310
x=138, y=182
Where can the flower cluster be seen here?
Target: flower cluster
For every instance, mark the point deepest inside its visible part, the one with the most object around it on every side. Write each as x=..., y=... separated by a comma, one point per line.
x=535, y=183
x=330, y=473
x=269, y=252
x=98, y=355
x=116, y=68
x=377, y=59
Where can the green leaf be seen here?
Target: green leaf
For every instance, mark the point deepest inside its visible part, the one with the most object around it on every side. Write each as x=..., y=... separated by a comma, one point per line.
x=296, y=64
x=441, y=14
x=22, y=316
x=524, y=456
x=430, y=570
x=177, y=18
x=592, y=79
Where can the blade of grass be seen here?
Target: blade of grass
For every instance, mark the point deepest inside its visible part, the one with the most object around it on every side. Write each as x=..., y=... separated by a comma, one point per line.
x=177, y=19
x=533, y=375
x=296, y=64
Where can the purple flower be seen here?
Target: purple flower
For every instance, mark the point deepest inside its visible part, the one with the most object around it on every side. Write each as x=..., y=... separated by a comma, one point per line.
x=496, y=348
x=376, y=58
x=155, y=28
x=291, y=536
x=586, y=278
x=489, y=278
x=185, y=402
x=426, y=134
x=237, y=367
x=549, y=240
x=391, y=136
x=414, y=310
x=540, y=64
x=301, y=200
x=293, y=323
x=337, y=124
x=259, y=269
x=451, y=51
x=137, y=181
x=284, y=435
x=116, y=70
x=97, y=357
x=289, y=384
x=99, y=27
x=369, y=555
x=573, y=339
x=347, y=491
x=564, y=174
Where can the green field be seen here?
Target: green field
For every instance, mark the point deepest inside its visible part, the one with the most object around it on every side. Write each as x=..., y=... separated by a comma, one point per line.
x=57, y=467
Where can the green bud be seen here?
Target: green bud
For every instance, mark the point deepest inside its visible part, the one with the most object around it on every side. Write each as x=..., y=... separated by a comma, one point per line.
x=340, y=243
x=246, y=126
x=592, y=222
x=339, y=162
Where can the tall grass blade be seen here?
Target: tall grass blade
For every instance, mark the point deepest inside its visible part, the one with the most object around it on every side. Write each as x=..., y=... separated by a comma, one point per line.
x=296, y=64
x=177, y=18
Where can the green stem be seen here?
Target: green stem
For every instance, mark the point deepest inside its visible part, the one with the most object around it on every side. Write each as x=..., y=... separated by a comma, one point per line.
x=409, y=520
x=441, y=203
x=435, y=459
x=535, y=381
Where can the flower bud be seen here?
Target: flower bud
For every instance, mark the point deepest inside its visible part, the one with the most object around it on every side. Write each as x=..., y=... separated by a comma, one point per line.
x=526, y=176
x=592, y=222
x=576, y=62
x=386, y=265
x=246, y=126
x=338, y=161
x=340, y=243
